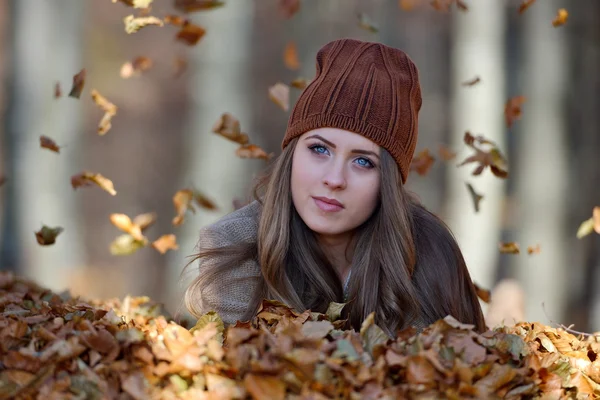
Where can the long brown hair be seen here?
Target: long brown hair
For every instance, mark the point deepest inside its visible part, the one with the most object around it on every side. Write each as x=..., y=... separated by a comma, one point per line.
x=407, y=266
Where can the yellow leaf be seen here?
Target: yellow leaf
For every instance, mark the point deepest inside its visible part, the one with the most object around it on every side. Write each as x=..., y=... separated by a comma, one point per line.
x=213, y=319
x=509, y=248
x=133, y=24
x=141, y=3
x=123, y=222
x=125, y=245
x=86, y=178
x=182, y=200
x=165, y=243
x=561, y=18
x=110, y=110
x=585, y=228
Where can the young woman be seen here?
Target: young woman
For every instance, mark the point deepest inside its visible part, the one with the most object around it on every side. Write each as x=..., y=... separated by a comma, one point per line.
x=332, y=221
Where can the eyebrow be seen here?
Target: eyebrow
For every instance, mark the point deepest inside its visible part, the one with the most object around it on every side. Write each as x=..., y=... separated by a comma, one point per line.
x=357, y=151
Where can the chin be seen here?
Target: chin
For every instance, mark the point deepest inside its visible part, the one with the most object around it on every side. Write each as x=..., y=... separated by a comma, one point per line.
x=323, y=227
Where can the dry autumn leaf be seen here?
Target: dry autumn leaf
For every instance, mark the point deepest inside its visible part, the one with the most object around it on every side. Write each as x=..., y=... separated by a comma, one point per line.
x=509, y=247
x=78, y=83
x=47, y=236
x=491, y=158
x=133, y=24
x=590, y=225
x=561, y=18
x=188, y=6
x=525, y=4
x=484, y=294
x=422, y=162
x=280, y=95
x=290, y=56
x=534, y=249
x=125, y=245
x=596, y=219
x=407, y=5
x=128, y=3
x=141, y=3
x=190, y=34
x=182, y=201
x=110, y=110
x=472, y=82
x=204, y=201
x=446, y=154
x=165, y=243
x=144, y=221
x=57, y=90
x=365, y=22
x=87, y=178
x=47, y=143
x=135, y=67
x=289, y=7
x=124, y=223
x=444, y=5
x=252, y=151
x=300, y=83
x=512, y=110
x=476, y=197
x=229, y=127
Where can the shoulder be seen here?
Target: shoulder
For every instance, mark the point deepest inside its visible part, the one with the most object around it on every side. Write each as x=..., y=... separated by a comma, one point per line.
x=238, y=226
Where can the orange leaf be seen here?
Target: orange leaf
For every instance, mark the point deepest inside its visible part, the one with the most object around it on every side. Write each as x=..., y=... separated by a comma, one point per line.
x=280, y=95
x=47, y=143
x=509, y=248
x=133, y=24
x=87, y=178
x=300, y=83
x=525, y=5
x=57, y=90
x=407, y=5
x=78, y=83
x=446, y=154
x=534, y=249
x=229, y=127
x=126, y=2
x=110, y=110
x=444, y=5
x=182, y=200
x=47, y=236
x=476, y=197
x=252, y=151
x=188, y=6
x=561, y=18
x=422, y=162
x=264, y=386
x=135, y=67
x=204, y=201
x=290, y=56
x=165, y=243
x=484, y=294
x=365, y=22
x=190, y=34
x=596, y=219
x=472, y=82
x=289, y=7
x=512, y=110
x=123, y=222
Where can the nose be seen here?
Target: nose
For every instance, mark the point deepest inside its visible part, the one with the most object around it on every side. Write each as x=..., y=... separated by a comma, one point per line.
x=335, y=178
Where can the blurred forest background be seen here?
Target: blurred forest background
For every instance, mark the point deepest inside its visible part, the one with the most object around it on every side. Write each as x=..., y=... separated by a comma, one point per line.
x=161, y=139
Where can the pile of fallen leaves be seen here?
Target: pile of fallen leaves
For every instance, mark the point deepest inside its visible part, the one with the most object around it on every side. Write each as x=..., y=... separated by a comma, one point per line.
x=55, y=346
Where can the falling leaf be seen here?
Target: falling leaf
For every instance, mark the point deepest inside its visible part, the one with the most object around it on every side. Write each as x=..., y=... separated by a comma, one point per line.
x=509, y=247
x=128, y=3
x=204, y=201
x=365, y=22
x=190, y=34
x=141, y=3
x=290, y=56
x=252, y=151
x=596, y=218
x=289, y=7
x=422, y=163
x=484, y=294
x=78, y=83
x=590, y=225
x=525, y=5
x=135, y=67
x=123, y=222
x=165, y=243
x=533, y=249
x=472, y=82
x=144, y=221
x=229, y=127
x=446, y=154
x=47, y=236
x=47, y=143
x=444, y=5
x=492, y=158
x=512, y=110
x=57, y=90
x=561, y=18
x=280, y=95
x=125, y=245
x=110, y=110
x=133, y=24
x=87, y=178
x=461, y=5
x=407, y=5
x=188, y=6
x=182, y=200
x=300, y=83
x=476, y=197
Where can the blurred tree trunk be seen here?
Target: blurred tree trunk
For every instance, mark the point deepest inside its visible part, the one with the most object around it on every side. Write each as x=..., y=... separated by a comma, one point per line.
x=541, y=178
x=4, y=26
x=477, y=49
x=46, y=48
x=219, y=84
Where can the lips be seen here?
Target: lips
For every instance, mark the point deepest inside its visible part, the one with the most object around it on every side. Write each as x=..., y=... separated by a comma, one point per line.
x=327, y=204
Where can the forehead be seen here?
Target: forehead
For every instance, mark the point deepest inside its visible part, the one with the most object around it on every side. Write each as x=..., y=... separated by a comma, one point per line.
x=343, y=138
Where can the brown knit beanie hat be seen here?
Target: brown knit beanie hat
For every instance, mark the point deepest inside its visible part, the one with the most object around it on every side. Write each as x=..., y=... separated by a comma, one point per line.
x=367, y=88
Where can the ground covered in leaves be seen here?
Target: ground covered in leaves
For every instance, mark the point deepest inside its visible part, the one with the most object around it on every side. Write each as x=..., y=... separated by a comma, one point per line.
x=58, y=347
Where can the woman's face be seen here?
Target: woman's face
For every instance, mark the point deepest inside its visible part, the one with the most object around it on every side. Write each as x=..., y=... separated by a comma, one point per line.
x=335, y=180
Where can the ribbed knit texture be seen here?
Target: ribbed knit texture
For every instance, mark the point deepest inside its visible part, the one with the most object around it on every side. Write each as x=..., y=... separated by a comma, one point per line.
x=367, y=88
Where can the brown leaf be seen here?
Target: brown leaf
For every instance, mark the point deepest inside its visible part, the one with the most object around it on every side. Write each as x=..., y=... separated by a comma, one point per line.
x=190, y=34
x=110, y=110
x=78, y=83
x=300, y=83
x=133, y=24
x=484, y=294
x=280, y=95
x=525, y=4
x=444, y=5
x=128, y=3
x=47, y=143
x=290, y=56
x=87, y=178
x=165, y=243
x=57, y=90
x=123, y=222
x=420, y=371
x=204, y=201
x=289, y=7
x=135, y=67
x=472, y=82
x=188, y=6
x=264, y=387
x=491, y=158
x=512, y=110
x=534, y=249
x=252, y=151
x=476, y=197
x=422, y=163
x=229, y=127
x=144, y=221
x=509, y=247
x=136, y=386
x=561, y=18
x=47, y=236
x=446, y=154
x=365, y=22
x=182, y=200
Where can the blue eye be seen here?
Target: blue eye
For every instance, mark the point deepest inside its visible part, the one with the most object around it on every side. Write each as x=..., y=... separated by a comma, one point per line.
x=317, y=148
x=364, y=162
